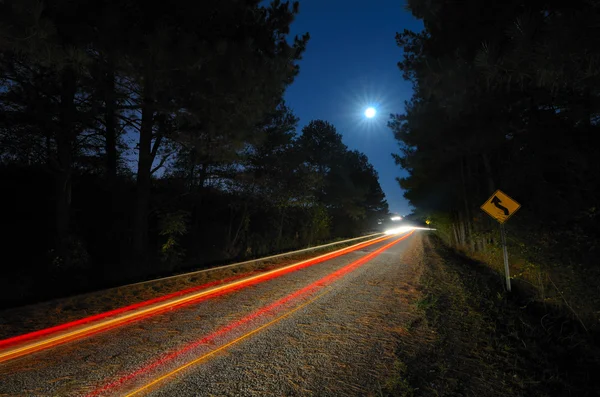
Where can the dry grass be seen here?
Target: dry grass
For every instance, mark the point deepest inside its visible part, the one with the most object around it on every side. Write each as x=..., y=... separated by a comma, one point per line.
x=565, y=287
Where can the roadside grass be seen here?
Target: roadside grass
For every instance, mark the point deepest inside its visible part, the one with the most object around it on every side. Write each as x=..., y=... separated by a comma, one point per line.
x=553, y=286
x=398, y=382
x=428, y=302
x=468, y=337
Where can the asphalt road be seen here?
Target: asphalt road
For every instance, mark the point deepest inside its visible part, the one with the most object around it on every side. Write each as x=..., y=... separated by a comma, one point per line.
x=325, y=330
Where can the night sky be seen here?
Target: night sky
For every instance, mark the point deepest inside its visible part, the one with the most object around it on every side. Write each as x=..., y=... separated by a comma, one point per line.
x=350, y=64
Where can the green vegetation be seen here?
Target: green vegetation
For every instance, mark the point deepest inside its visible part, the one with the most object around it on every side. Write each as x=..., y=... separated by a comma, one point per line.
x=138, y=139
x=506, y=97
x=479, y=340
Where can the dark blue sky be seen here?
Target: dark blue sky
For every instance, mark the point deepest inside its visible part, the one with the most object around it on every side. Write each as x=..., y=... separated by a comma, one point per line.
x=350, y=64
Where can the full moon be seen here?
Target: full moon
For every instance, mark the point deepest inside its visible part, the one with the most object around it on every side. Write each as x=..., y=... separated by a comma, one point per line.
x=370, y=113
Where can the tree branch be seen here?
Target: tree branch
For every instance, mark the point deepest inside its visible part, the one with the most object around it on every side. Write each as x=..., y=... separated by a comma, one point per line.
x=162, y=162
x=130, y=122
x=155, y=146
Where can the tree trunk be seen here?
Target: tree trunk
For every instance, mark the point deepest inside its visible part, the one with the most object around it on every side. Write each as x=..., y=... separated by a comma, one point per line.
x=64, y=146
x=111, y=123
x=462, y=231
x=142, y=206
x=489, y=176
x=237, y=236
x=280, y=232
x=233, y=239
x=476, y=236
x=192, y=170
x=202, y=176
x=467, y=220
x=455, y=234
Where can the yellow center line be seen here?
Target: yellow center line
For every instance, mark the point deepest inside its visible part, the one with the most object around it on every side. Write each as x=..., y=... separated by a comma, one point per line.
x=225, y=346
x=48, y=342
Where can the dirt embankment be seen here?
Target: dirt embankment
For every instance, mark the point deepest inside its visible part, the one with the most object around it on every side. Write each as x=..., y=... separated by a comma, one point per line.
x=468, y=337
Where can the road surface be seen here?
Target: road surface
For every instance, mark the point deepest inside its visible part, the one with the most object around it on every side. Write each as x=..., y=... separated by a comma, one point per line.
x=324, y=330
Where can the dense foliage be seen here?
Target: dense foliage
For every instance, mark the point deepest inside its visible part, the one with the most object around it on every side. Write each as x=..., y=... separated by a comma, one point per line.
x=506, y=96
x=143, y=138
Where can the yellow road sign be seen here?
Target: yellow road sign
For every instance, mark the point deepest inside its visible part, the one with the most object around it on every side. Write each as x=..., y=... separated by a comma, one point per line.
x=500, y=206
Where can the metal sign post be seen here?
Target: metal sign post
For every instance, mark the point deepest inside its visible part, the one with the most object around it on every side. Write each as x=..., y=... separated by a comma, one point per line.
x=505, y=252
x=501, y=207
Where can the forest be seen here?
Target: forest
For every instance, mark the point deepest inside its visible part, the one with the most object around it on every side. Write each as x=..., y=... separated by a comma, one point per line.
x=140, y=140
x=506, y=96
